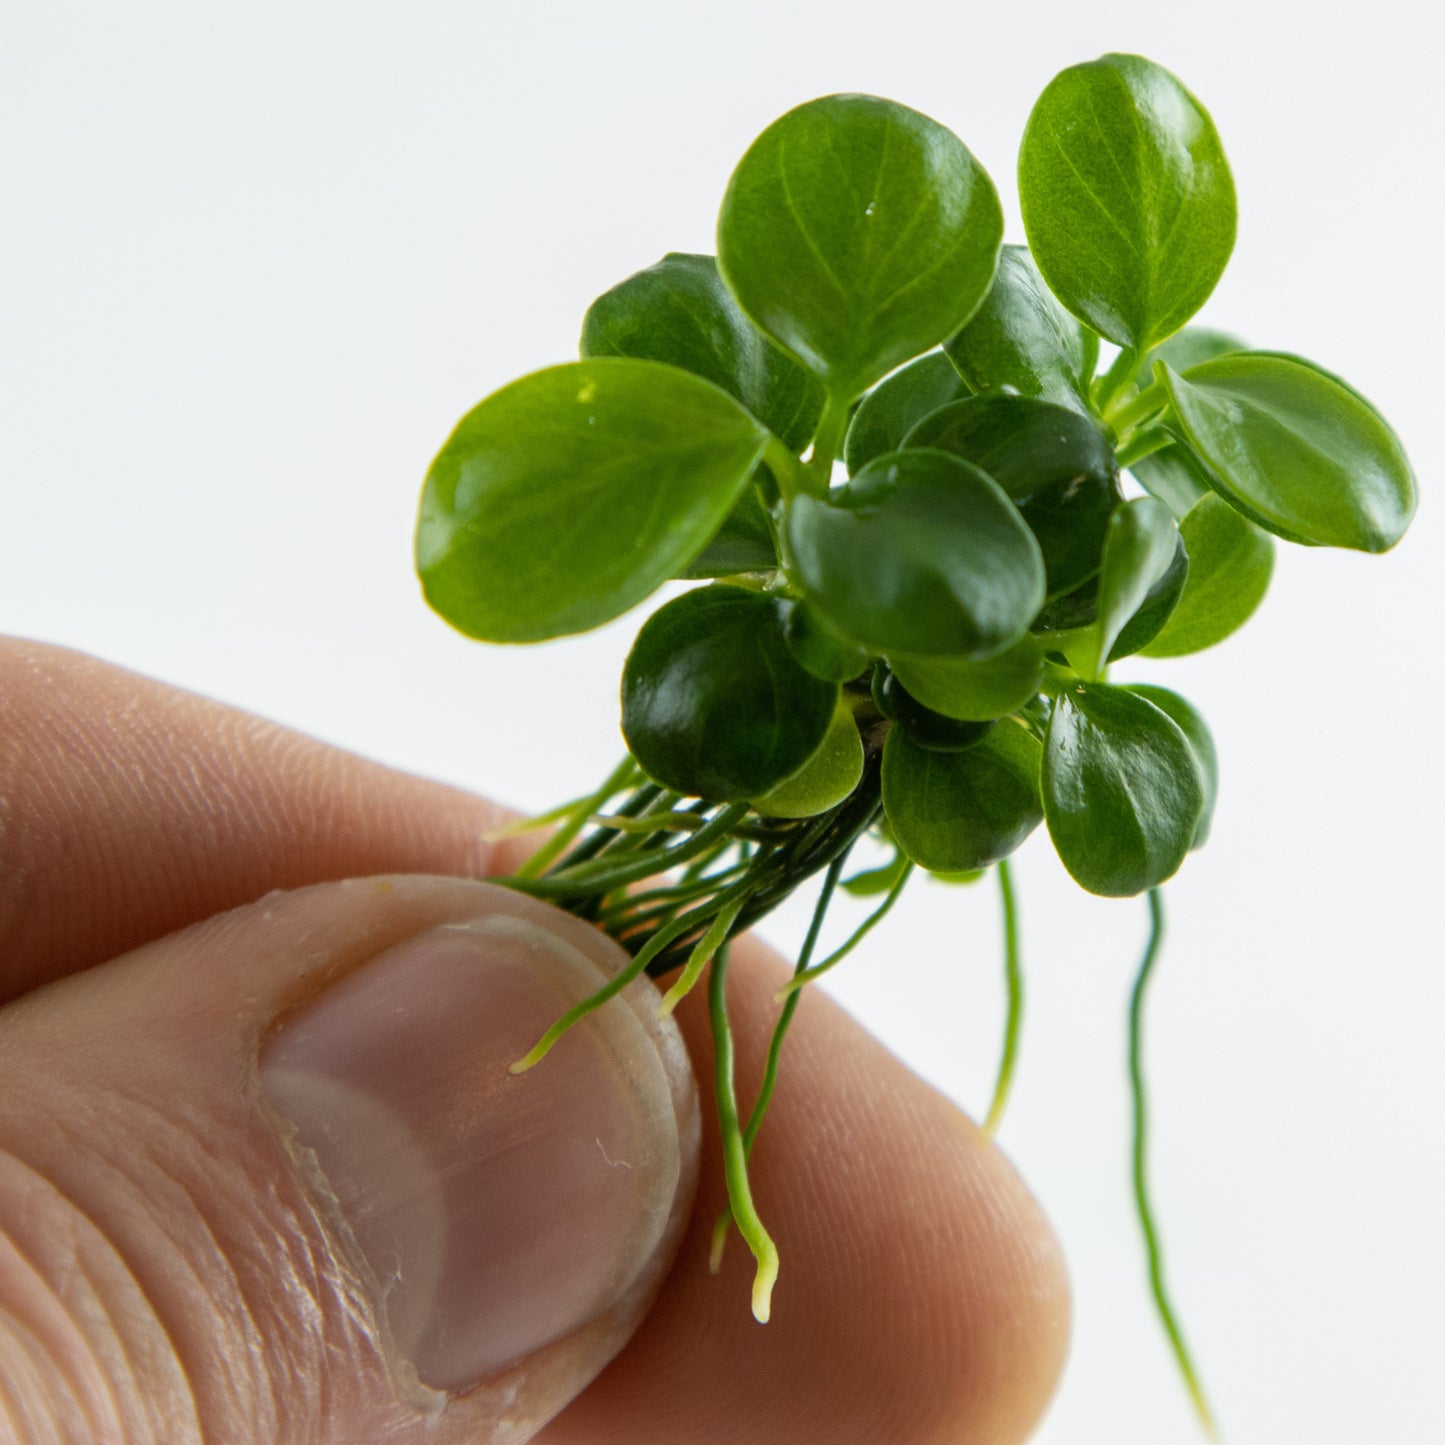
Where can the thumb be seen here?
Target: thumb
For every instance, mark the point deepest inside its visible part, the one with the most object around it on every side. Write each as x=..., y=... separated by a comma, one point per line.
x=269, y=1178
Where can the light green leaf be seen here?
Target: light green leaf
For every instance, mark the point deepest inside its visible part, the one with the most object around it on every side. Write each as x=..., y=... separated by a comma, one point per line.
x=1122, y=790
x=567, y=497
x=920, y=553
x=1296, y=450
x=1127, y=198
x=858, y=233
x=1021, y=342
x=1230, y=563
x=679, y=312
x=826, y=779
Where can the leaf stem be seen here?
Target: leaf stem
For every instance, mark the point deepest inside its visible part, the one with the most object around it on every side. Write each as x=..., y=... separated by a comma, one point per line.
x=1143, y=443
x=1116, y=379
x=788, y=472
x=735, y=1158
x=833, y=424
x=1149, y=402
x=1014, y=981
x=1141, y=1189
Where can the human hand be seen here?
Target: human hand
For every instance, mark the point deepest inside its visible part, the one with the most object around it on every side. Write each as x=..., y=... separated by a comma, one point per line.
x=267, y=1179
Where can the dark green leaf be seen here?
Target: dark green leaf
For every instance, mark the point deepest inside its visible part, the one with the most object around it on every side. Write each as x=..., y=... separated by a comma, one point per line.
x=1021, y=342
x=679, y=311
x=826, y=779
x=858, y=233
x=744, y=543
x=920, y=553
x=1196, y=732
x=565, y=498
x=1127, y=198
x=1122, y=791
x=977, y=691
x=929, y=729
x=1138, y=552
x=1230, y=562
x=1295, y=449
x=1053, y=463
x=713, y=704
x=1157, y=607
x=819, y=649
x=956, y=812
x=895, y=406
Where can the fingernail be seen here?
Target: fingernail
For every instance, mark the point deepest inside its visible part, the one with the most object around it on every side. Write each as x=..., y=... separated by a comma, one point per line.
x=492, y=1214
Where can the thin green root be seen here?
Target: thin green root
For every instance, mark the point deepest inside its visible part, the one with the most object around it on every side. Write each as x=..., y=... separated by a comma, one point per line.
x=1014, y=981
x=735, y=1160
x=698, y=959
x=1141, y=1189
x=807, y=975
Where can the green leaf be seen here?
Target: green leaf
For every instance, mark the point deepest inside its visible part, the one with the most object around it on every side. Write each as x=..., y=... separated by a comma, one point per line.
x=873, y=881
x=565, y=498
x=713, y=705
x=891, y=410
x=1127, y=198
x=1052, y=462
x=819, y=649
x=858, y=233
x=920, y=553
x=1230, y=562
x=1138, y=552
x=1174, y=475
x=1201, y=741
x=1021, y=342
x=925, y=727
x=1192, y=347
x=957, y=812
x=1298, y=451
x=1157, y=607
x=1121, y=788
x=744, y=543
x=975, y=691
x=826, y=779
x=679, y=311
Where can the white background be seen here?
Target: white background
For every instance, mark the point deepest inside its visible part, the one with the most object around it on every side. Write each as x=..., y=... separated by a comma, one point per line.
x=256, y=260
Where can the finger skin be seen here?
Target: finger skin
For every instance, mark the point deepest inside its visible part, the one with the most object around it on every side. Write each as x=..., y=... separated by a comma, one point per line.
x=922, y=1295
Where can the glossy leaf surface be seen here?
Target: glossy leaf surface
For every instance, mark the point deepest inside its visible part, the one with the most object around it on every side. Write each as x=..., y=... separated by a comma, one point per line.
x=819, y=649
x=713, y=704
x=919, y=553
x=1201, y=741
x=1021, y=342
x=1138, y=551
x=858, y=233
x=957, y=812
x=896, y=405
x=565, y=498
x=975, y=691
x=1295, y=449
x=1230, y=564
x=1174, y=475
x=679, y=312
x=1121, y=788
x=1157, y=608
x=1127, y=198
x=825, y=780
x=1054, y=464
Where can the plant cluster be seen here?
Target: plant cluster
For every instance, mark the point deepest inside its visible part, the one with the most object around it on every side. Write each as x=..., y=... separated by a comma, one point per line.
x=919, y=653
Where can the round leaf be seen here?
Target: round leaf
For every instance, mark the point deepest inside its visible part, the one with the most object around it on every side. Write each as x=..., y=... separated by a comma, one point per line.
x=1230, y=562
x=895, y=406
x=1127, y=198
x=1122, y=791
x=1295, y=449
x=679, y=311
x=919, y=553
x=826, y=779
x=956, y=812
x=820, y=650
x=975, y=691
x=1021, y=342
x=1054, y=464
x=858, y=233
x=713, y=705
x=1201, y=741
x=565, y=498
